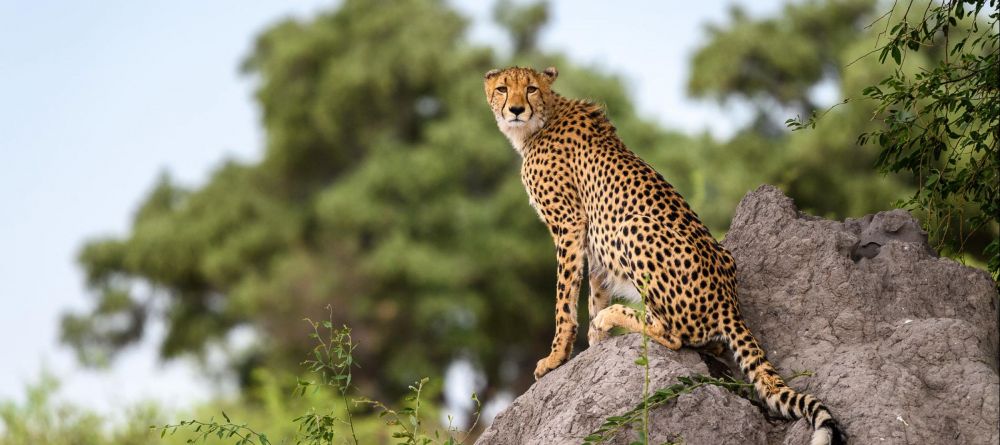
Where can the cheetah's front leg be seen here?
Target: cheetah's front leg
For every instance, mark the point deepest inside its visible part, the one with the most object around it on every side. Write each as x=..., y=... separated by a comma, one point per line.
x=569, y=256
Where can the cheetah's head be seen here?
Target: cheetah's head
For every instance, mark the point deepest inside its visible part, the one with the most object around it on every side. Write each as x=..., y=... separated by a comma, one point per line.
x=520, y=99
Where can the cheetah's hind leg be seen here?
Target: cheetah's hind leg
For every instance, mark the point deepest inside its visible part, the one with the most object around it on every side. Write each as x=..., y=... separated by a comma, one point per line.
x=716, y=348
x=628, y=318
x=598, y=301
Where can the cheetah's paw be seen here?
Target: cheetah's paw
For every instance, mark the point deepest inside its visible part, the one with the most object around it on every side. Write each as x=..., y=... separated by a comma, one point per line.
x=595, y=335
x=545, y=365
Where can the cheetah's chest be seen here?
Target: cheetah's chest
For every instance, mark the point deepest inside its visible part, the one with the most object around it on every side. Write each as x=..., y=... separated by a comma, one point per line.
x=534, y=205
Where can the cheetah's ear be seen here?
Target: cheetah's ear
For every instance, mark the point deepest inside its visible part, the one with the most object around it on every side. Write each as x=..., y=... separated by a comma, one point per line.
x=551, y=72
x=491, y=73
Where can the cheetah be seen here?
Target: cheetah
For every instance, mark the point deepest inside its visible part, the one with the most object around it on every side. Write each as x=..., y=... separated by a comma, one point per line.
x=606, y=206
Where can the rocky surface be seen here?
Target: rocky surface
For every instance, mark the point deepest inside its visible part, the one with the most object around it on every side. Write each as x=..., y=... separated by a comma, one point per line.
x=904, y=345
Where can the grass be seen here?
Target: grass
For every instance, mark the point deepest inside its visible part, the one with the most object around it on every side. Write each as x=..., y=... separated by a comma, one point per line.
x=331, y=364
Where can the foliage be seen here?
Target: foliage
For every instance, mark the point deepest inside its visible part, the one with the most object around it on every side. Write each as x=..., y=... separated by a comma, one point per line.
x=829, y=171
x=523, y=22
x=942, y=123
x=279, y=410
x=276, y=417
x=776, y=60
x=615, y=424
x=774, y=66
x=939, y=118
x=332, y=362
x=42, y=420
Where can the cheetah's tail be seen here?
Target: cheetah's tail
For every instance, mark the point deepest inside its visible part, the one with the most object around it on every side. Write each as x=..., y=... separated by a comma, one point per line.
x=776, y=394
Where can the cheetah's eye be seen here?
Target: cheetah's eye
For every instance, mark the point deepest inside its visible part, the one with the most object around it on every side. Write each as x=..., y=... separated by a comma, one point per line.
x=532, y=89
x=502, y=90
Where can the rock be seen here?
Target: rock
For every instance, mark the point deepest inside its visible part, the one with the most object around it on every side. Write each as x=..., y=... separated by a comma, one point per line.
x=575, y=399
x=904, y=345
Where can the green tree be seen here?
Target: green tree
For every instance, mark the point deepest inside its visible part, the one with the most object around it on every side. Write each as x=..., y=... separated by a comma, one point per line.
x=523, y=22
x=385, y=190
x=775, y=65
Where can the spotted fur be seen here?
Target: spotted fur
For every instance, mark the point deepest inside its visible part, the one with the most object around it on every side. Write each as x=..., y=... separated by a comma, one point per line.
x=604, y=205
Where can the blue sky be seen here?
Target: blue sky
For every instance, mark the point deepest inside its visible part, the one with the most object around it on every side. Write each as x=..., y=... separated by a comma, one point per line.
x=98, y=98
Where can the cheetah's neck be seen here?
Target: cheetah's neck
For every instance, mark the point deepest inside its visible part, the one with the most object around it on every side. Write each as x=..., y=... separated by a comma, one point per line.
x=520, y=135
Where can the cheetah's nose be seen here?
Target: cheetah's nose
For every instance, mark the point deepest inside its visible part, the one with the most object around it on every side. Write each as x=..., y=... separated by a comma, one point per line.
x=516, y=110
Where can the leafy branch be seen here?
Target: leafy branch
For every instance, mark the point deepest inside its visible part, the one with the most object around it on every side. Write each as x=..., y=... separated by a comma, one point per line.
x=333, y=359
x=241, y=433
x=615, y=424
x=941, y=123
